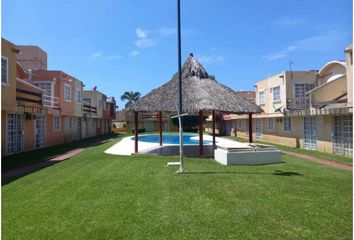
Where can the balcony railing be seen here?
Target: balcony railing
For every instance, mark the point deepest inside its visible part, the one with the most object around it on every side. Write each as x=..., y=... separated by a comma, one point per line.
x=88, y=108
x=24, y=96
x=50, y=101
x=301, y=103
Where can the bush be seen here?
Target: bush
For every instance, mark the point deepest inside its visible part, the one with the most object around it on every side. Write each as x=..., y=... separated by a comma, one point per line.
x=140, y=130
x=189, y=123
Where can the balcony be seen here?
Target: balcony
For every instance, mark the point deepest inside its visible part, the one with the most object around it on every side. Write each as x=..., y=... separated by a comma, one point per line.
x=50, y=101
x=28, y=97
x=88, y=109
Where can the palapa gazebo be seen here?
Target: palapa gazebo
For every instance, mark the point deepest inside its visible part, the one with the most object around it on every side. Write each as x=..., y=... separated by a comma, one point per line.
x=201, y=94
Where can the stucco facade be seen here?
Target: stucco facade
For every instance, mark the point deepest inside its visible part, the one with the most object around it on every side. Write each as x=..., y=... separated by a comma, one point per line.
x=309, y=109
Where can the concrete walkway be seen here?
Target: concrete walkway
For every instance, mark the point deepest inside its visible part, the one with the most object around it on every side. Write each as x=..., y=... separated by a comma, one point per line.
x=34, y=167
x=320, y=160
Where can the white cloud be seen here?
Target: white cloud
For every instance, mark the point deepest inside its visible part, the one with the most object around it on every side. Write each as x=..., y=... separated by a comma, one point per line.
x=134, y=53
x=113, y=57
x=140, y=33
x=100, y=55
x=289, y=22
x=325, y=41
x=210, y=58
x=167, y=31
x=95, y=55
x=146, y=42
x=151, y=38
x=281, y=54
x=322, y=42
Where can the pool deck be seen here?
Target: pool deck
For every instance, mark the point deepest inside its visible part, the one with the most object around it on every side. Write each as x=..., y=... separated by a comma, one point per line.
x=126, y=145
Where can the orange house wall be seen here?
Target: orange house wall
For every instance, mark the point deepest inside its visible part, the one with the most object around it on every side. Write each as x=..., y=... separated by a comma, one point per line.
x=67, y=108
x=53, y=137
x=29, y=138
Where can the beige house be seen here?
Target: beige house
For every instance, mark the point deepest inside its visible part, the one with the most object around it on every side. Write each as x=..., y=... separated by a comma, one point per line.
x=307, y=109
x=93, y=112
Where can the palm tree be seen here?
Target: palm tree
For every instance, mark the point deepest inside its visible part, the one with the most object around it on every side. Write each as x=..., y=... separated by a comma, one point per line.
x=130, y=97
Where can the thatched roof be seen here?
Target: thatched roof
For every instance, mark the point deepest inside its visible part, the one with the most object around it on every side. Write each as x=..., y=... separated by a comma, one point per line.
x=199, y=93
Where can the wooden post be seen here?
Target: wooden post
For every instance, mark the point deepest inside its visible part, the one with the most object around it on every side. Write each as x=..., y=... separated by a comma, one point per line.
x=160, y=127
x=236, y=127
x=214, y=144
x=136, y=130
x=250, y=137
x=201, y=150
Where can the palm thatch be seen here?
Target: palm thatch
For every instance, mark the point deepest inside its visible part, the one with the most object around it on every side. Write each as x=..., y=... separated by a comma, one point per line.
x=199, y=93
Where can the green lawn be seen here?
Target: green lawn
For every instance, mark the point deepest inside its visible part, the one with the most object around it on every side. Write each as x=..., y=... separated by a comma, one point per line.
x=323, y=155
x=27, y=158
x=98, y=196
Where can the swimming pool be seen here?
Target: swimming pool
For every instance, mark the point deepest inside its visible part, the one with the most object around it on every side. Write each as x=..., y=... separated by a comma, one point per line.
x=188, y=139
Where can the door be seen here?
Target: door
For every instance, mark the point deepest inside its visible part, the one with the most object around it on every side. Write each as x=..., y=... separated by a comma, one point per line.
x=40, y=132
x=14, y=133
x=342, y=135
x=259, y=129
x=309, y=132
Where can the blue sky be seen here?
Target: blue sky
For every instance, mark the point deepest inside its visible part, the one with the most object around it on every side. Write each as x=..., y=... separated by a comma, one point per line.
x=126, y=45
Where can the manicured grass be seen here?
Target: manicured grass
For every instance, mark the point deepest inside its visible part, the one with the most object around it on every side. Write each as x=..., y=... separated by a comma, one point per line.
x=323, y=155
x=98, y=196
x=39, y=155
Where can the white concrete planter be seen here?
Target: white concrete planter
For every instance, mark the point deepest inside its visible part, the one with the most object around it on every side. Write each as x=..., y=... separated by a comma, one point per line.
x=248, y=156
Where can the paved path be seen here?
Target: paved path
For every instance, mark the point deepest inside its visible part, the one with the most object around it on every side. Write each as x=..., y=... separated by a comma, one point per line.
x=34, y=167
x=320, y=160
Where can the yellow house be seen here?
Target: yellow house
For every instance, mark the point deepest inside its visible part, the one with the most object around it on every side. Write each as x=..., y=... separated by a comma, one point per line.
x=307, y=109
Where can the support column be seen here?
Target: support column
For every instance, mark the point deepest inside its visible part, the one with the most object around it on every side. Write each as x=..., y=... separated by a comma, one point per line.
x=136, y=130
x=214, y=144
x=201, y=150
x=236, y=123
x=160, y=127
x=250, y=136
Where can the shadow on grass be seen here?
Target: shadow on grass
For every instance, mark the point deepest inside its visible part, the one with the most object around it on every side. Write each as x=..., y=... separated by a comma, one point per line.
x=276, y=172
x=38, y=159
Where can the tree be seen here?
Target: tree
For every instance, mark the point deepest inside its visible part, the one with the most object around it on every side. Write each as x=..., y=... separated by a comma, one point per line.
x=130, y=97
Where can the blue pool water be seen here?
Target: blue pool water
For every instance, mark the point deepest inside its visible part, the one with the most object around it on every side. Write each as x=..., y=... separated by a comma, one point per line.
x=171, y=139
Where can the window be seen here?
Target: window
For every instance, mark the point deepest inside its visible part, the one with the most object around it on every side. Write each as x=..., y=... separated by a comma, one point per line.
x=261, y=97
x=14, y=133
x=56, y=123
x=4, y=70
x=99, y=103
x=48, y=98
x=239, y=123
x=67, y=92
x=276, y=94
x=271, y=124
x=301, y=100
x=287, y=124
x=78, y=96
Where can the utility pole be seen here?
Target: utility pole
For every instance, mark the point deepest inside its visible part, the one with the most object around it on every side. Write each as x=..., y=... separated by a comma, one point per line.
x=291, y=70
x=180, y=111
